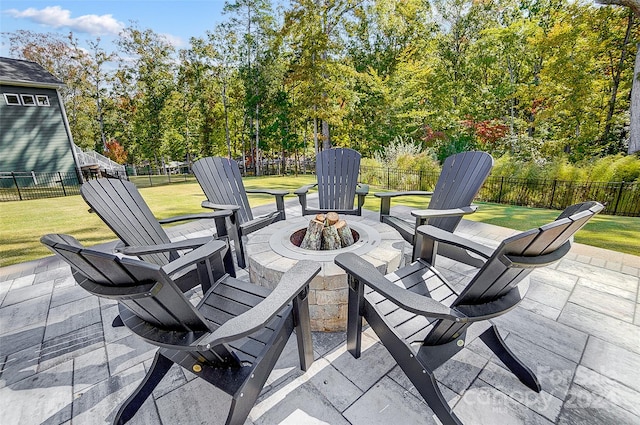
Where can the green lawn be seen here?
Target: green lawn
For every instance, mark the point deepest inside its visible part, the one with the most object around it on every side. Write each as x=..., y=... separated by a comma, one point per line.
x=23, y=222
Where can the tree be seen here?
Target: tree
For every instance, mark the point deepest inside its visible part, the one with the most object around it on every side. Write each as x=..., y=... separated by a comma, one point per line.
x=634, y=130
x=148, y=80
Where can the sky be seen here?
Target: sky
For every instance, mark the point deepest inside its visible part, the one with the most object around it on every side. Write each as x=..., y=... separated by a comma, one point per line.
x=177, y=20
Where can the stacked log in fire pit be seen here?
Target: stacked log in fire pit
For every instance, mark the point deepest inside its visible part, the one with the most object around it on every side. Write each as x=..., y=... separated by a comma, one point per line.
x=326, y=232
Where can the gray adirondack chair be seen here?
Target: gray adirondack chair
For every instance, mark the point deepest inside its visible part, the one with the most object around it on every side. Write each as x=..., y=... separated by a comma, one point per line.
x=121, y=207
x=232, y=339
x=460, y=180
x=423, y=321
x=221, y=183
x=337, y=173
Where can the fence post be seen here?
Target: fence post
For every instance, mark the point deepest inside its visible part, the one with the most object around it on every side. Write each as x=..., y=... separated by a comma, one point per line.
x=64, y=191
x=420, y=181
x=388, y=178
x=15, y=181
x=500, y=193
x=615, y=209
x=553, y=192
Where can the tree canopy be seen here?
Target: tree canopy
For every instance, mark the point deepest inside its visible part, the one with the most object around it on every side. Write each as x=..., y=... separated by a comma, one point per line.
x=532, y=78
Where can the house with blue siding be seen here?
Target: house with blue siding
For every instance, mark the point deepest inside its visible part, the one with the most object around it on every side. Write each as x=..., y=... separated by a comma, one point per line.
x=34, y=131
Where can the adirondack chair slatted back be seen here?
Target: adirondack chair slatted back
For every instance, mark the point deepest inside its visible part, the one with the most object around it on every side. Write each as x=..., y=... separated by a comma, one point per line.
x=119, y=204
x=498, y=276
x=221, y=183
x=460, y=181
x=337, y=172
x=143, y=288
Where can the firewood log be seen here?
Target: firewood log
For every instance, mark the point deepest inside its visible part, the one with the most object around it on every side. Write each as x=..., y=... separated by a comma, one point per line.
x=344, y=231
x=313, y=237
x=330, y=238
x=320, y=217
x=332, y=218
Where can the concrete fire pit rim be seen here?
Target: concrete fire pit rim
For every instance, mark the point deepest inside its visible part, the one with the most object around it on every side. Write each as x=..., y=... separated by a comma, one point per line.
x=280, y=242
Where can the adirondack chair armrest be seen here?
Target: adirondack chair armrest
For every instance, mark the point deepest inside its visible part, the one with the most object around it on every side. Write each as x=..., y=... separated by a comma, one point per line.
x=423, y=215
x=279, y=195
x=173, y=246
x=362, y=189
x=211, y=205
x=258, y=223
x=442, y=236
x=304, y=189
x=217, y=214
x=209, y=249
x=540, y=260
x=274, y=192
x=293, y=282
x=384, y=195
x=367, y=274
x=385, y=199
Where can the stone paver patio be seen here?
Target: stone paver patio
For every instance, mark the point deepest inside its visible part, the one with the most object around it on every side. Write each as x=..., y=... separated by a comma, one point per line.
x=578, y=328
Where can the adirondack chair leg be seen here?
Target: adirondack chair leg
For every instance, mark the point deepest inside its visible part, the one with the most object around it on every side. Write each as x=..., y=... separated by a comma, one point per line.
x=223, y=234
x=424, y=248
x=494, y=341
x=360, y=203
x=385, y=207
x=354, y=317
x=303, y=203
x=237, y=241
x=303, y=329
x=117, y=322
x=280, y=207
x=242, y=263
x=428, y=389
x=417, y=367
x=159, y=368
x=245, y=397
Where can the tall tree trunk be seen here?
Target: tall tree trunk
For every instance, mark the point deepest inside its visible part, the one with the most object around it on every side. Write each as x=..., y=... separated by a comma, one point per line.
x=634, y=133
x=315, y=129
x=258, y=141
x=326, y=135
x=616, y=78
x=226, y=118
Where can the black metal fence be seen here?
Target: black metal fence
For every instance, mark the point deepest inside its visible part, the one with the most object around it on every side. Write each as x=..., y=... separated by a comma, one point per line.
x=20, y=186
x=619, y=198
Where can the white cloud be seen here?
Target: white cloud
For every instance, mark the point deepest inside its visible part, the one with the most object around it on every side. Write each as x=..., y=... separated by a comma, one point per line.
x=174, y=40
x=56, y=17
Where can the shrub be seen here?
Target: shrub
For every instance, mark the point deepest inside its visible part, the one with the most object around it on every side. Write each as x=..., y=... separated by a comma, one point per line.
x=614, y=168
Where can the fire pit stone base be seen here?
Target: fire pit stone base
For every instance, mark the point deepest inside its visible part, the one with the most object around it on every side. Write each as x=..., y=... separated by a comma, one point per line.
x=271, y=254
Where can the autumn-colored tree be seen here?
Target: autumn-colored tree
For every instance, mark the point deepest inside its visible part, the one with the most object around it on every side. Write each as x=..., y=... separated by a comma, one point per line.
x=116, y=152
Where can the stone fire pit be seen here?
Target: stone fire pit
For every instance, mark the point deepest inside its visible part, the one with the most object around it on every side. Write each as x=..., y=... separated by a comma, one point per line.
x=272, y=252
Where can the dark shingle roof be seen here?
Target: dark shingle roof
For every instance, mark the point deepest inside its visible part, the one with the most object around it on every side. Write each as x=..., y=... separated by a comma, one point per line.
x=21, y=72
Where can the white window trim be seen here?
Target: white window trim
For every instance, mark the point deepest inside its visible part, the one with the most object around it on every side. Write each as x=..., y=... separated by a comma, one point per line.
x=45, y=103
x=12, y=104
x=23, y=96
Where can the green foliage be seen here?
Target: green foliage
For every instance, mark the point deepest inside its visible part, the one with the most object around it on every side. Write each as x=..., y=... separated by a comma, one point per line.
x=615, y=168
x=460, y=142
x=535, y=80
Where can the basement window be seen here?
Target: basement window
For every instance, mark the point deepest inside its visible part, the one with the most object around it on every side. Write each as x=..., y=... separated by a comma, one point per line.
x=12, y=99
x=42, y=100
x=28, y=100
